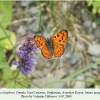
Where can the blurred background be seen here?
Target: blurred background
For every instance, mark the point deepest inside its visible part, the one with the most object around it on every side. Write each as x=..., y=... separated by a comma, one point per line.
x=79, y=67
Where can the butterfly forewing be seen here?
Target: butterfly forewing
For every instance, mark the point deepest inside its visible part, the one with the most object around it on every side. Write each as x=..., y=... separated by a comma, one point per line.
x=61, y=37
x=40, y=41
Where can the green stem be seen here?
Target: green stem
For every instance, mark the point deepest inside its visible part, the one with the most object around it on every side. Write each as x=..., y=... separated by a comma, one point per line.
x=96, y=19
x=6, y=34
x=53, y=13
x=39, y=28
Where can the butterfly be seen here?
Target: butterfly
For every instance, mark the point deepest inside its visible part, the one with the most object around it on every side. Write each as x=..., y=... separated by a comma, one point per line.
x=53, y=47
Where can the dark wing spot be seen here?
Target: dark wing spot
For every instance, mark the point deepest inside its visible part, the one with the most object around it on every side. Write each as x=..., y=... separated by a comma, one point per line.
x=63, y=33
x=59, y=40
x=58, y=35
x=62, y=37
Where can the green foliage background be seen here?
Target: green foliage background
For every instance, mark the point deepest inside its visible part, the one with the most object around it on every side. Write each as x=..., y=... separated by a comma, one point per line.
x=95, y=4
x=8, y=77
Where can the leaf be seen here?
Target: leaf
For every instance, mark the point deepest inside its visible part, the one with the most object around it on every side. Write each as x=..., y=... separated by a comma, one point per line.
x=7, y=73
x=1, y=75
x=99, y=10
x=10, y=84
x=89, y=3
x=94, y=10
x=13, y=84
x=16, y=84
x=2, y=35
x=23, y=84
x=2, y=57
x=5, y=12
x=6, y=43
x=96, y=4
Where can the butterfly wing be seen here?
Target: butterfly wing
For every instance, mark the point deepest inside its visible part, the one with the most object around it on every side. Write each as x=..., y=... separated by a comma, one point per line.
x=58, y=50
x=61, y=37
x=58, y=41
x=41, y=43
x=45, y=52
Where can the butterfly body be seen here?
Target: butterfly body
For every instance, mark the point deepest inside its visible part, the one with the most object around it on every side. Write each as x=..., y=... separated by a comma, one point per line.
x=53, y=47
x=49, y=45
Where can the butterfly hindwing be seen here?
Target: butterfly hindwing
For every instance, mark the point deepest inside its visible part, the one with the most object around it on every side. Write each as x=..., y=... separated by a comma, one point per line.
x=45, y=52
x=61, y=37
x=58, y=50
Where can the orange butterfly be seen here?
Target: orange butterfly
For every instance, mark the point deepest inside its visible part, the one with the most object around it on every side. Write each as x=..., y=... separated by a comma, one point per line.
x=52, y=47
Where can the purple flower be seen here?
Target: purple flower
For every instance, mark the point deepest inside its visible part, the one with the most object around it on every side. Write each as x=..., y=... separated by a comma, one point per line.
x=26, y=55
